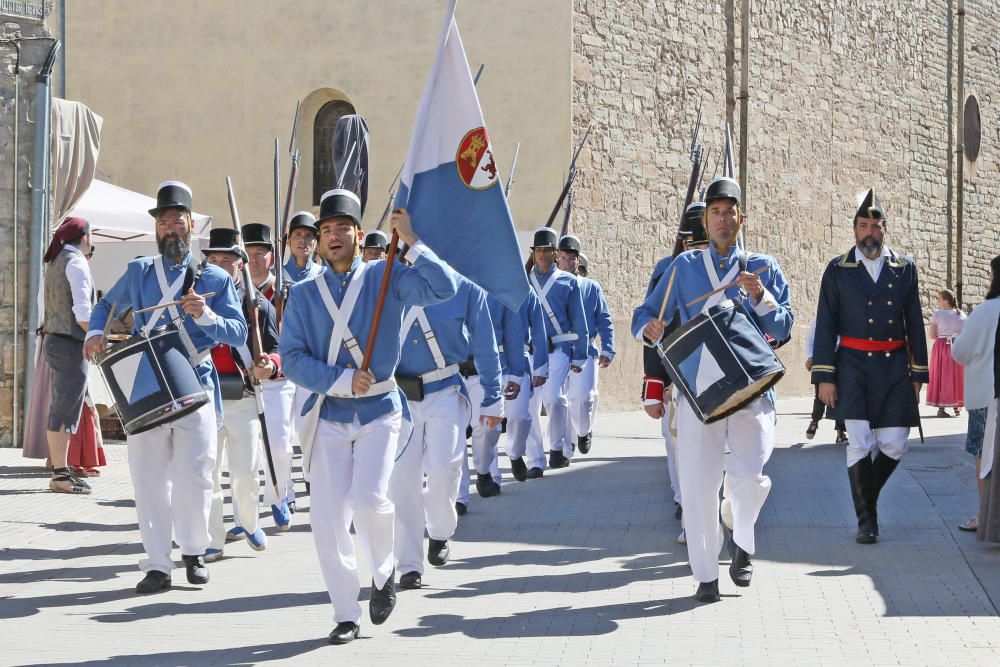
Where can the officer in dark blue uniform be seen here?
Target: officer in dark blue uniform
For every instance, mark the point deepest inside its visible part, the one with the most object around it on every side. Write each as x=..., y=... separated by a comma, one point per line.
x=870, y=299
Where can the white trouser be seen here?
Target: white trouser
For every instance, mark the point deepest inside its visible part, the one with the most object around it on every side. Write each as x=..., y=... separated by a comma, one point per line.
x=557, y=405
x=279, y=397
x=863, y=441
x=669, y=408
x=749, y=433
x=350, y=472
x=239, y=437
x=526, y=434
x=484, y=441
x=581, y=392
x=171, y=467
x=436, y=447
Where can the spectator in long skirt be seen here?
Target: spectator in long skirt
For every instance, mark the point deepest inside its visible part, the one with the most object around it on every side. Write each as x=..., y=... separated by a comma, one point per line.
x=946, y=386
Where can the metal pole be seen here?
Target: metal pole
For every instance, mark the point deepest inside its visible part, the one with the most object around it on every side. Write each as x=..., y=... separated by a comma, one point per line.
x=730, y=14
x=16, y=343
x=744, y=98
x=949, y=168
x=40, y=182
x=960, y=153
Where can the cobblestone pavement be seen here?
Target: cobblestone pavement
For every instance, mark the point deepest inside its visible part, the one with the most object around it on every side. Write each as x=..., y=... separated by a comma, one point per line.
x=578, y=568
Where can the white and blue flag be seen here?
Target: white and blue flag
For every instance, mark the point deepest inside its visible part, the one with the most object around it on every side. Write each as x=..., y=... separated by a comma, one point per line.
x=450, y=184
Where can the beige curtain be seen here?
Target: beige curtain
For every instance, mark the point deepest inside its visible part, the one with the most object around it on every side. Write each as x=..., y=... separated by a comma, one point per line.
x=76, y=141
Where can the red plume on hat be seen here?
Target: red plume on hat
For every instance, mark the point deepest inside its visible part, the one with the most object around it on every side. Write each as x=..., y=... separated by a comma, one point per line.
x=69, y=230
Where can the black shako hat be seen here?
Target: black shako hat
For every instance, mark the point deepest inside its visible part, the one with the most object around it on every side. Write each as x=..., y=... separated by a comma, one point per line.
x=339, y=203
x=303, y=220
x=255, y=233
x=569, y=243
x=545, y=237
x=723, y=187
x=223, y=239
x=584, y=262
x=869, y=206
x=375, y=239
x=172, y=194
x=694, y=224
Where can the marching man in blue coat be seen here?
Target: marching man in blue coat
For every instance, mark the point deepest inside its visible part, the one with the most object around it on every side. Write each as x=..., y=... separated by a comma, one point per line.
x=581, y=388
x=870, y=299
x=509, y=335
x=559, y=294
x=303, y=236
x=437, y=341
x=353, y=418
x=172, y=464
x=520, y=408
x=749, y=432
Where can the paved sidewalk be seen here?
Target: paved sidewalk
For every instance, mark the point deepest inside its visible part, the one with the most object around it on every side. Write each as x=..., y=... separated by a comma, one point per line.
x=578, y=568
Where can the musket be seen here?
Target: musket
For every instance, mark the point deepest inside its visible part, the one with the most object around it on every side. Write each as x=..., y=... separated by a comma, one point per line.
x=510, y=176
x=566, y=217
x=570, y=178
x=729, y=169
x=479, y=73
x=250, y=299
x=704, y=168
x=281, y=234
x=696, y=159
x=277, y=216
x=392, y=197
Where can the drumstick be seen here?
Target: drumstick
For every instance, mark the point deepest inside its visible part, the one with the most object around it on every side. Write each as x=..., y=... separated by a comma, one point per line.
x=724, y=288
x=666, y=297
x=172, y=303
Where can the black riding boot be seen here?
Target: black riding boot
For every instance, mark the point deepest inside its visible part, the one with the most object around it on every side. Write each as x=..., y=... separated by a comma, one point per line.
x=882, y=468
x=860, y=475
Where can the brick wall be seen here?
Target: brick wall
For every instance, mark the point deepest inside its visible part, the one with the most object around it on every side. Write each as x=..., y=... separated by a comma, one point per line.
x=843, y=96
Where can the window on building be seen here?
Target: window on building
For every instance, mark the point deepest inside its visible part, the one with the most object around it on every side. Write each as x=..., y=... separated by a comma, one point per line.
x=326, y=121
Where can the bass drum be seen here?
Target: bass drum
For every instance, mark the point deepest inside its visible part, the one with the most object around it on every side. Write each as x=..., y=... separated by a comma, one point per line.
x=720, y=361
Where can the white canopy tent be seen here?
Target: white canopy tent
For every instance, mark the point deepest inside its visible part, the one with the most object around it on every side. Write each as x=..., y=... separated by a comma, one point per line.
x=122, y=228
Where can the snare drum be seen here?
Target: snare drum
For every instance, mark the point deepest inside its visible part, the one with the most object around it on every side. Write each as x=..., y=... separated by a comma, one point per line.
x=720, y=361
x=152, y=379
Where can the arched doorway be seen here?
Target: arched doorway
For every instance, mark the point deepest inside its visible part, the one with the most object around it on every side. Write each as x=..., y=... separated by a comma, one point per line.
x=323, y=126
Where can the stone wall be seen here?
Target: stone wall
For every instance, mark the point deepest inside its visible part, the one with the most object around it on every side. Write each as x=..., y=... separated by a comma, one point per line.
x=843, y=96
x=15, y=249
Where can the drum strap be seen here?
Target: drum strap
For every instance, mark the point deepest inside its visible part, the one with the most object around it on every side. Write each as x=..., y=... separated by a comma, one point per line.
x=713, y=277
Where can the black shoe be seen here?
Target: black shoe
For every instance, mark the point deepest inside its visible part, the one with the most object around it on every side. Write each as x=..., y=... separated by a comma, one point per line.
x=461, y=508
x=383, y=600
x=557, y=460
x=410, y=581
x=519, y=469
x=486, y=486
x=860, y=476
x=678, y=511
x=583, y=443
x=437, y=552
x=535, y=473
x=741, y=569
x=811, y=429
x=708, y=592
x=291, y=506
x=197, y=573
x=841, y=438
x=345, y=632
x=153, y=582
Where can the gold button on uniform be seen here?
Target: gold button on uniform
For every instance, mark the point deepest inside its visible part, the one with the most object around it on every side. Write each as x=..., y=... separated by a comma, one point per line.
x=890, y=321
x=869, y=303
x=869, y=354
x=350, y=366
x=890, y=285
x=871, y=321
x=889, y=303
x=887, y=355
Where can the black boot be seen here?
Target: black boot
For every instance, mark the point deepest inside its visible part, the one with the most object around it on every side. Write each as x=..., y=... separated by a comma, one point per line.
x=197, y=573
x=344, y=632
x=741, y=569
x=860, y=475
x=882, y=468
x=557, y=460
x=437, y=552
x=383, y=600
x=708, y=591
x=583, y=443
x=410, y=581
x=519, y=468
x=153, y=582
x=485, y=485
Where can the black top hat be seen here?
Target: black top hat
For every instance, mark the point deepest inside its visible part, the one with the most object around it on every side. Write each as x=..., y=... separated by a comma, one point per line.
x=172, y=194
x=255, y=233
x=723, y=187
x=569, y=243
x=223, y=239
x=303, y=220
x=869, y=206
x=375, y=239
x=545, y=237
x=339, y=204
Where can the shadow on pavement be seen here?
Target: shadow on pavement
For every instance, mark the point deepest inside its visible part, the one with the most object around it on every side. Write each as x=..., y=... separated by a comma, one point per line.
x=241, y=655
x=232, y=605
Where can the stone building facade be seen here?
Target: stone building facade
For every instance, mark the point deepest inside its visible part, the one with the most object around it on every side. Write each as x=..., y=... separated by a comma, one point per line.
x=13, y=249
x=843, y=95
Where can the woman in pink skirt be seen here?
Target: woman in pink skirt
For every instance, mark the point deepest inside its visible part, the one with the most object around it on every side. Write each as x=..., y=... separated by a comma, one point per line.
x=946, y=386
